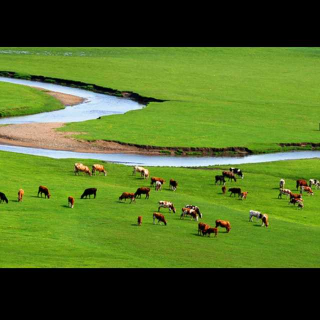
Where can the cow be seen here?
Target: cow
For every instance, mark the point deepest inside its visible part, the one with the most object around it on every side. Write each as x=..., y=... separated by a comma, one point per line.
x=282, y=183
x=202, y=227
x=89, y=192
x=301, y=182
x=265, y=220
x=139, y=221
x=314, y=182
x=44, y=190
x=259, y=215
x=137, y=169
x=244, y=194
x=209, y=231
x=142, y=190
x=306, y=189
x=173, y=184
x=145, y=173
x=235, y=191
x=3, y=197
x=295, y=196
x=300, y=205
x=127, y=195
x=99, y=168
x=287, y=192
x=158, y=186
x=220, y=179
x=71, y=202
x=229, y=175
x=237, y=171
x=154, y=179
x=224, y=189
x=167, y=204
x=295, y=200
x=20, y=195
x=223, y=224
x=79, y=167
x=190, y=212
x=160, y=217
x=196, y=208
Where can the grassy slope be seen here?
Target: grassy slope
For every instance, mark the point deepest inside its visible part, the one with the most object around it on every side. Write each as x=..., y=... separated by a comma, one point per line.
x=103, y=232
x=21, y=100
x=253, y=97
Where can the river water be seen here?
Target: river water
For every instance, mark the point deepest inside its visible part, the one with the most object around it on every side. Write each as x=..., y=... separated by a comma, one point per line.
x=97, y=105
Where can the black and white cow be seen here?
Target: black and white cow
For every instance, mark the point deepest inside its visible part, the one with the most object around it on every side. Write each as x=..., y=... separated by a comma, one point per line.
x=237, y=171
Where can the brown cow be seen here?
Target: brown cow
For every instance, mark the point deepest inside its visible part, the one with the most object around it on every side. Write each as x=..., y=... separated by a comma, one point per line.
x=295, y=195
x=223, y=224
x=295, y=200
x=160, y=217
x=244, y=195
x=173, y=184
x=301, y=182
x=139, y=221
x=99, y=168
x=44, y=190
x=265, y=221
x=20, y=195
x=209, y=231
x=190, y=212
x=154, y=179
x=80, y=167
x=229, y=175
x=224, y=189
x=142, y=190
x=202, y=227
x=307, y=189
x=127, y=195
x=71, y=202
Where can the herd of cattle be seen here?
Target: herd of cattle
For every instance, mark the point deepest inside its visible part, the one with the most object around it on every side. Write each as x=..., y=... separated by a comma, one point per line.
x=188, y=210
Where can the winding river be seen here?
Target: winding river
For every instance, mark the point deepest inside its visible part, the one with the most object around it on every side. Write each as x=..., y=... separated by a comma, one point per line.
x=96, y=105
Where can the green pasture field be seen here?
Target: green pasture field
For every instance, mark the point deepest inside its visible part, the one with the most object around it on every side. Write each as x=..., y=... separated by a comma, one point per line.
x=18, y=100
x=103, y=232
x=216, y=97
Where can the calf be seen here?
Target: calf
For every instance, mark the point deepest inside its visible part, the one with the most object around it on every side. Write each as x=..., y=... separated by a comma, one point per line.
x=99, y=168
x=44, y=190
x=3, y=197
x=190, y=212
x=224, y=189
x=173, y=184
x=244, y=195
x=307, y=189
x=220, y=179
x=209, y=231
x=89, y=192
x=127, y=195
x=20, y=195
x=235, y=191
x=139, y=221
x=160, y=217
x=295, y=196
x=282, y=183
x=300, y=205
x=301, y=182
x=223, y=224
x=196, y=208
x=142, y=190
x=154, y=179
x=145, y=173
x=71, y=202
x=287, y=192
x=265, y=221
x=167, y=204
x=158, y=186
x=295, y=200
x=314, y=182
x=202, y=227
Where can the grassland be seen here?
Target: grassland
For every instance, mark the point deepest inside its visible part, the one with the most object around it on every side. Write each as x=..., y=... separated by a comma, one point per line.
x=217, y=97
x=18, y=100
x=103, y=232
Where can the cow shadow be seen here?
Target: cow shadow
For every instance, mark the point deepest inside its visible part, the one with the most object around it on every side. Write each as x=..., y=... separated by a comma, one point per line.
x=65, y=206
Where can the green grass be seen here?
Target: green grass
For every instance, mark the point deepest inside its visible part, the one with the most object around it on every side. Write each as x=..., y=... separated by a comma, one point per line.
x=218, y=97
x=18, y=100
x=103, y=232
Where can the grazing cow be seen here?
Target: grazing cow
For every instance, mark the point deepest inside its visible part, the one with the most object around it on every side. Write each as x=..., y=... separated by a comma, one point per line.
x=79, y=167
x=295, y=196
x=202, y=227
x=139, y=221
x=194, y=208
x=300, y=205
x=127, y=195
x=209, y=231
x=190, y=212
x=223, y=224
x=99, y=168
x=220, y=179
x=244, y=195
x=224, y=189
x=173, y=184
x=229, y=175
x=89, y=192
x=167, y=204
x=20, y=195
x=314, y=182
x=282, y=183
x=44, y=190
x=158, y=186
x=154, y=179
x=160, y=217
x=295, y=200
x=237, y=171
x=137, y=169
x=307, y=189
x=71, y=202
x=145, y=173
x=3, y=197
x=300, y=183
x=287, y=192
x=235, y=191
x=142, y=190
x=259, y=215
